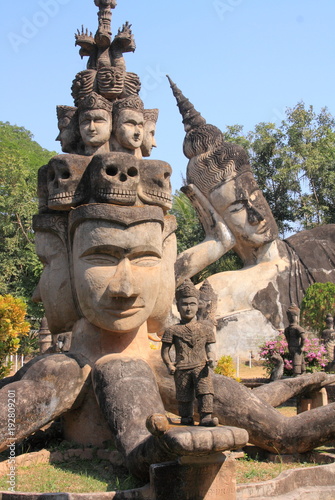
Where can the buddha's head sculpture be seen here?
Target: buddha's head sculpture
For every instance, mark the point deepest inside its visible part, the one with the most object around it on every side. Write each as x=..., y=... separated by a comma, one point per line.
x=118, y=258
x=149, y=141
x=54, y=287
x=222, y=172
x=95, y=123
x=128, y=124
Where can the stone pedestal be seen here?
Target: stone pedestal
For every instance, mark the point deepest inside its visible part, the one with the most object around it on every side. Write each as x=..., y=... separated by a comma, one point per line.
x=312, y=400
x=195, y=478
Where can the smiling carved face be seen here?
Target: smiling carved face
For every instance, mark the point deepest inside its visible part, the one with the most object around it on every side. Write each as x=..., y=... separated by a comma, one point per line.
x=117, y=273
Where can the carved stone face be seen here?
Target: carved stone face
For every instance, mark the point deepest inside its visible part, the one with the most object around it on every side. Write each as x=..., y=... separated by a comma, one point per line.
x=83, y=84
x=129, y=128
x=155, y=183
x=95, y=127
x=64, y=174
x=149, y=140
x=187, y=307
x=54, y=287
x=117, y=272
x=114, y=178
x=244, y=209
x=68, y=132
x=110, y=82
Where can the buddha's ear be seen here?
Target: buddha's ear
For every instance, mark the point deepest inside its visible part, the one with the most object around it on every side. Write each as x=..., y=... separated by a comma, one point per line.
x=158, y=317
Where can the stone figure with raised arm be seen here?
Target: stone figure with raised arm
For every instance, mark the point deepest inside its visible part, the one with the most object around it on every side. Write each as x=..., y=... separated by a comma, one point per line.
x=192, y=340
x=236, y=216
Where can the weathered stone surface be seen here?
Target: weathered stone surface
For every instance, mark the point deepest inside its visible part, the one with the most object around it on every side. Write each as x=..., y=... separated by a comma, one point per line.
x=288, y=481
x=277, y=393
x=42, y=394
x=114, y=178
x=194, y=481
x=64, y=174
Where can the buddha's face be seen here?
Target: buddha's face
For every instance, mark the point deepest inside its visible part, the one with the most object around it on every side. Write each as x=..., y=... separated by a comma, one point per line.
x=129, y=128
x=95, y=127
x=245, y=211
x=54, y=287
x=117, y=273
x=149, y=140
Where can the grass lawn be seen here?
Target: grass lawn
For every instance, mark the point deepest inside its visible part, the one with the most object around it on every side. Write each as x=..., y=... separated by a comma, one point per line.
x=83, y=476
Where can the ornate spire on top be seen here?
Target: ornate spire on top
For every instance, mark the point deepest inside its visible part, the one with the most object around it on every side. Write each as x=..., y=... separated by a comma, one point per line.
x=191, y=117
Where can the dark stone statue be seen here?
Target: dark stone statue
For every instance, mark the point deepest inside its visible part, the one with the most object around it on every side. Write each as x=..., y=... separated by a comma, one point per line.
x=192, y=340
x=328, y=337
x=295, y=336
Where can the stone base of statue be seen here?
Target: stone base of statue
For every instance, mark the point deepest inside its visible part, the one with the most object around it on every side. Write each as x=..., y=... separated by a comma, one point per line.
x=312, y=400
x=194, y=478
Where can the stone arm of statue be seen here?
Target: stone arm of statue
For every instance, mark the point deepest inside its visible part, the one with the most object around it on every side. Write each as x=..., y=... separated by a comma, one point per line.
x=165, y=352
x=211, y=355
x=127, y=393
x=218, y=241
x=50, y=387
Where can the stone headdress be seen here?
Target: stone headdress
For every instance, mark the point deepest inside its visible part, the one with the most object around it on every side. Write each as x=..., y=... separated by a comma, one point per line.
x=151, y=115
x=65, y=112
x=187, y=289
x=131, y=102
x=213, y=161
x=94, y=101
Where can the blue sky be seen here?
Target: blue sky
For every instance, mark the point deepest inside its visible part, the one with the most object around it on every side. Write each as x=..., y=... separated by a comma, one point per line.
x=238, y=61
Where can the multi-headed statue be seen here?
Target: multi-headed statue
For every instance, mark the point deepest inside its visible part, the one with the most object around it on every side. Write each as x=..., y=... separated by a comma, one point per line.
x=108, y=246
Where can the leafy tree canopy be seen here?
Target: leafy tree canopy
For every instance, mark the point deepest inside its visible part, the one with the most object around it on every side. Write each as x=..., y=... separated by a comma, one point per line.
x=20, y=159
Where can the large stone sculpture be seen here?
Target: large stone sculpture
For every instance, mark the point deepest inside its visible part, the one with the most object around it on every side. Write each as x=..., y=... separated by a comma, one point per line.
x=109, y=280
x=235, y=215
x=192, y=340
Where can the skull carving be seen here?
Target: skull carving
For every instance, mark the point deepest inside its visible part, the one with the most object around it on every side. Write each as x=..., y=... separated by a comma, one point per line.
x=155, y=183
x=114, y=178
x=63, y=180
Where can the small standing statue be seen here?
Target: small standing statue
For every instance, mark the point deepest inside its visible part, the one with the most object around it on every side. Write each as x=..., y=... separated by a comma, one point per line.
x=295, y=336
x=192, y=340
x=328, y=337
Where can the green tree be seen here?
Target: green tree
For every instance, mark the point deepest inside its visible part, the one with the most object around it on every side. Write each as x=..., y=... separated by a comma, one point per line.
x=20, y=159
x=319, y=300
x=12, y=328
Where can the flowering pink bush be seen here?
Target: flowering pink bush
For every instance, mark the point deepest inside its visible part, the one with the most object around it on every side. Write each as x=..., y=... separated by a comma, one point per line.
x=315, y=354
